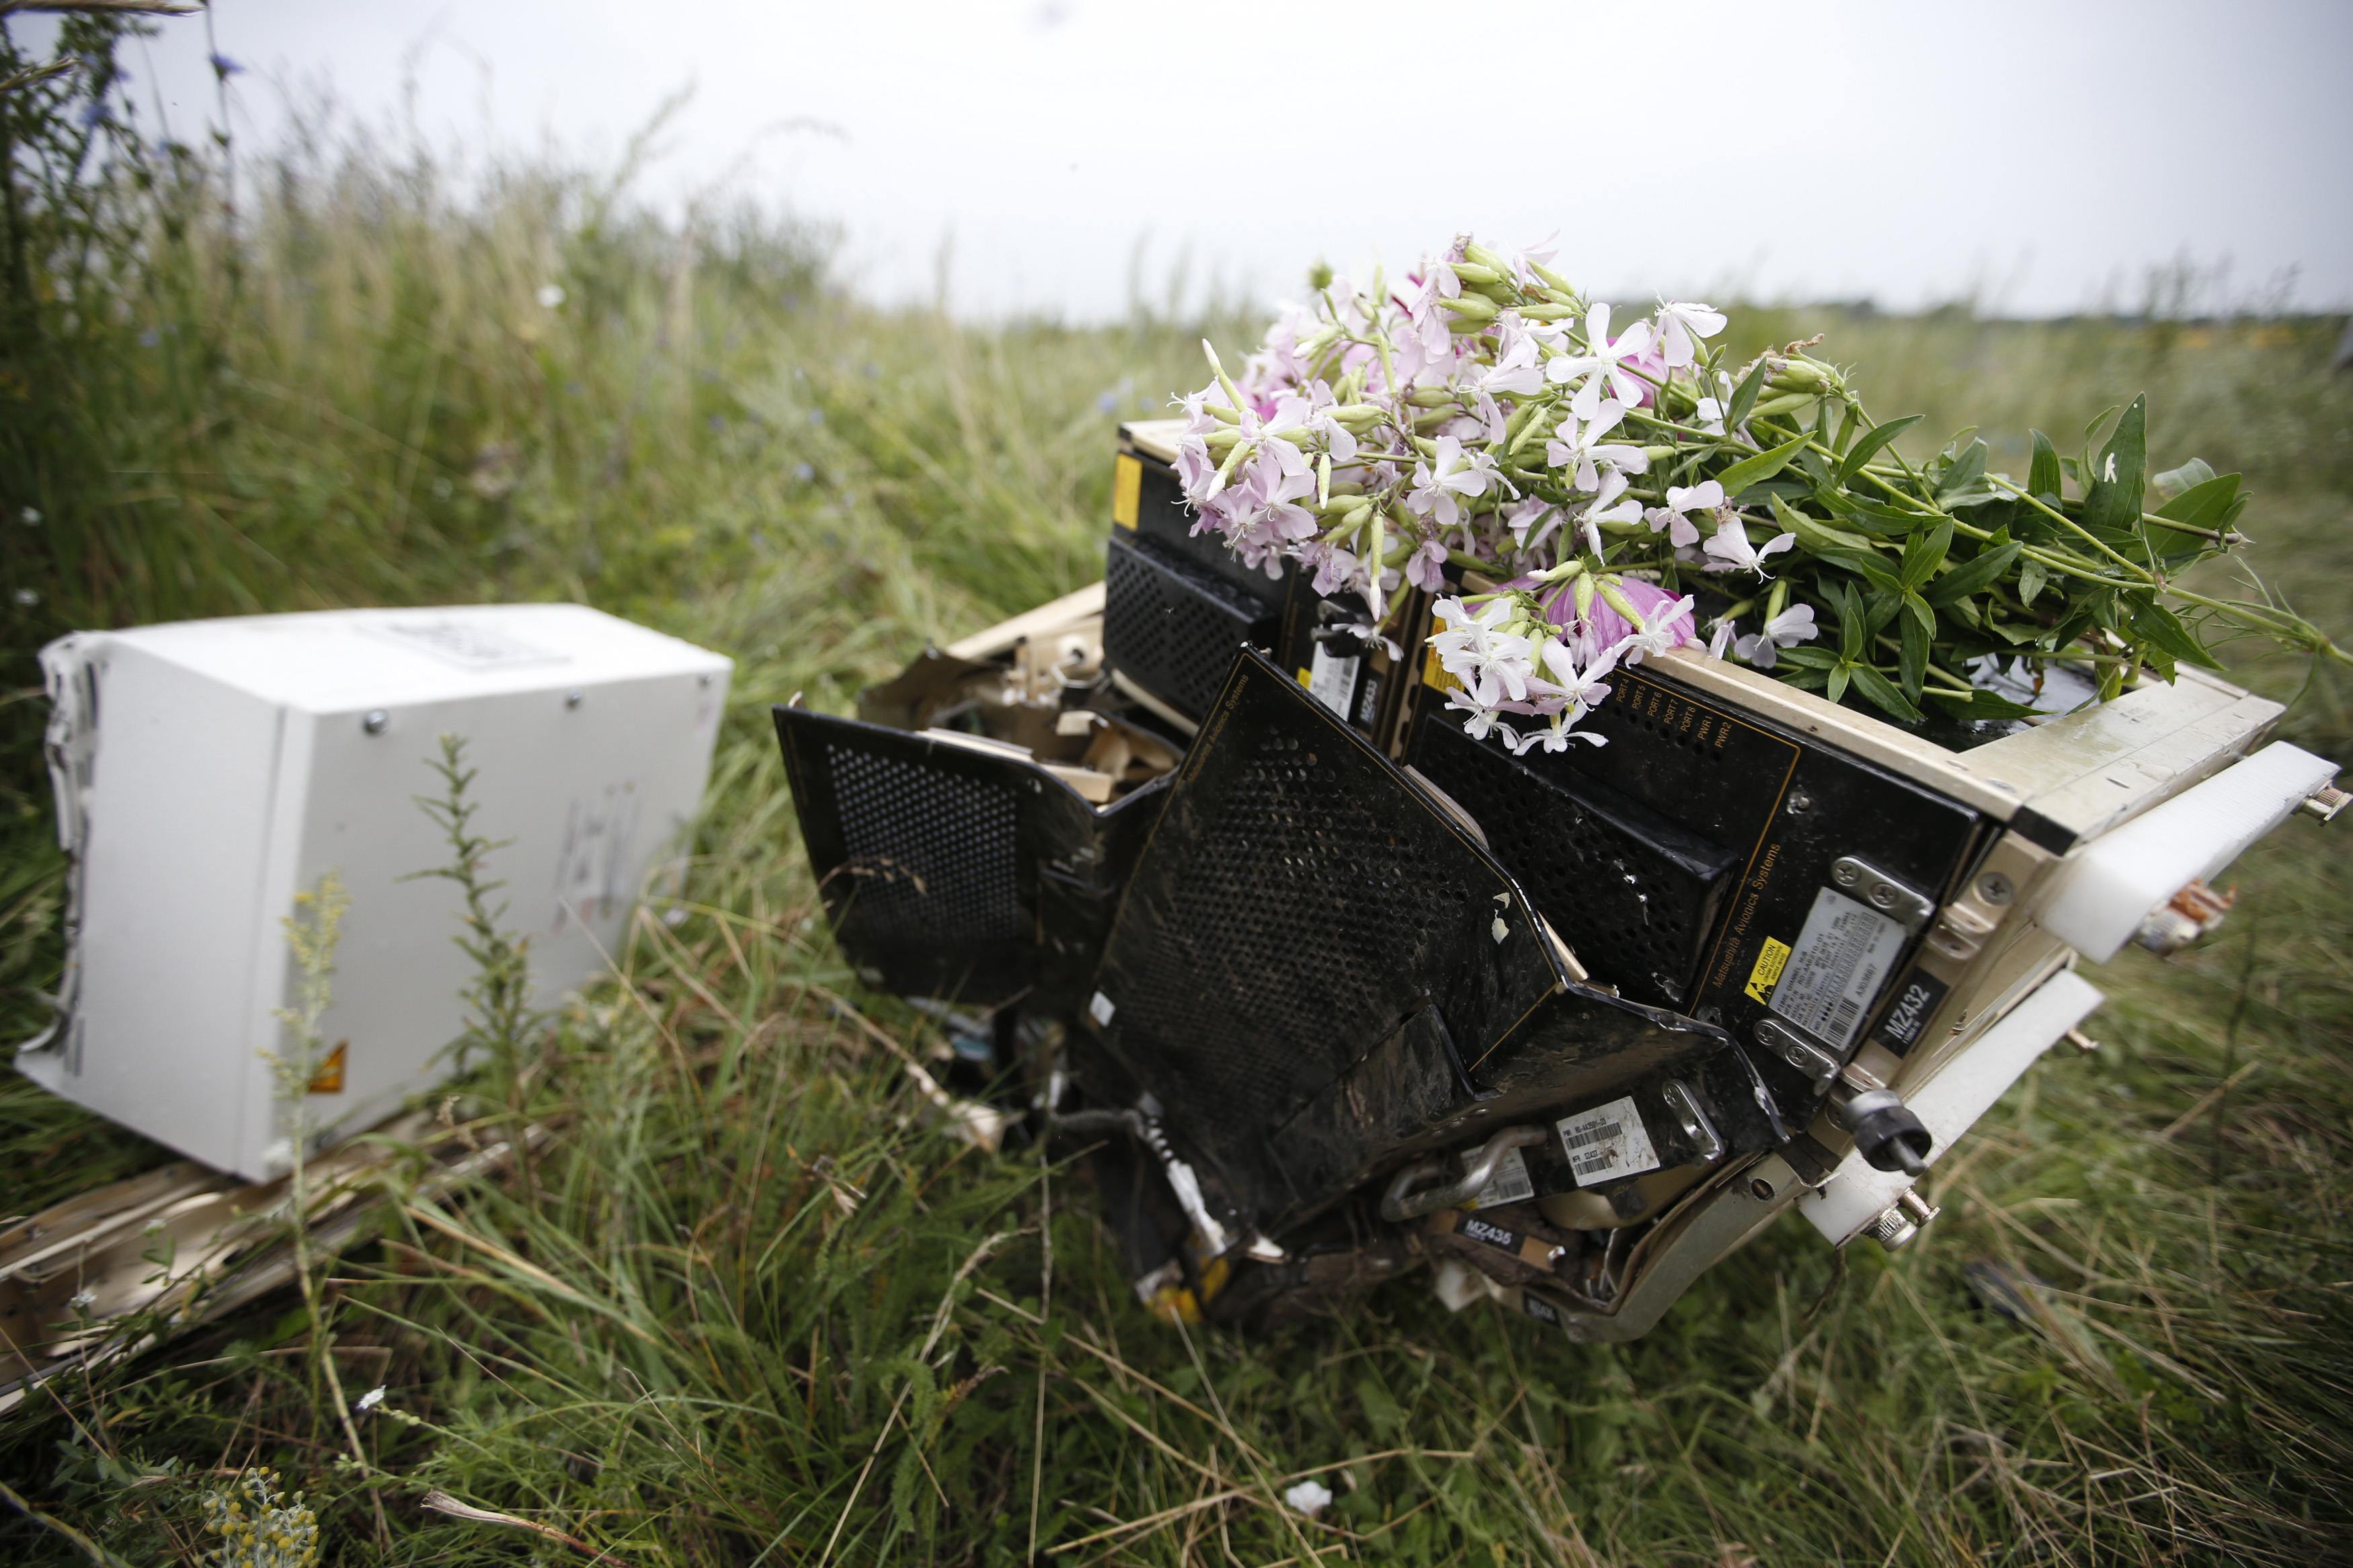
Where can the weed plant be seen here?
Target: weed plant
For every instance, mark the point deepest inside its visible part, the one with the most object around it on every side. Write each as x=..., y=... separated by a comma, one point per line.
x=748, y=1304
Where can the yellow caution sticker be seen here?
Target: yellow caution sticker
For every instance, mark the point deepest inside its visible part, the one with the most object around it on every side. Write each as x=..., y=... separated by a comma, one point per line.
x=1126, y=489
x=328, y=1078
x=1769, y=964
x=1307, y=679
x=1436, y=674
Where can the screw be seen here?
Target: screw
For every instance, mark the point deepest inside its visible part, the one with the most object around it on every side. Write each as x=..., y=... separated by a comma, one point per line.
x=376, y=722
x=1883, y=897
x=573, y=697
x=1843, y=875
x=1996, y=889
x=704, y=680
x=1799, y=804
x=1762, y=1190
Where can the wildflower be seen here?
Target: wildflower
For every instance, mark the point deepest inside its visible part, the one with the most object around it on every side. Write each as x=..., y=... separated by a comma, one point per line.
x=1310, y=1498
x=370, y=1400
x=1423, y=568
x=1729, y=549
x=1720, y=636
x=1524, y=516
x=1666, y=624
x=31, y=516
x=1584, y=450
x=1451, y=474
x=550, y=296
x=1603, y=364
x=224, y=66
x=1679, y=323
x=1480, y=652
x=1790, y=627
x=1706, y=496
x=26, y=598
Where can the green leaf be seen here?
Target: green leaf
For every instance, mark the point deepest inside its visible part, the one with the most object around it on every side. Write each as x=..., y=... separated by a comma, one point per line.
x=1864, y=564
x=2204, y=504
x=2159, y=628
x=1761, y=466
x=2043, y=477
x=1980, y=705
x=2188, y=477
x=1926, y=551
x=2030, y=578
x=1920, y=615
x=1981, y=571
x=1839, y=674
x=1882, y=692
x=2112, y=499
x=1744, y=400
x=1964, y=473
x=1862, y=451
x=1912, y=670
x=1808, y=657
x=1852, y=629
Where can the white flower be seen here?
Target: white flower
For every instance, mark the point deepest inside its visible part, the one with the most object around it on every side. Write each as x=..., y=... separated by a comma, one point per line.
x=1310, y=1498
x=1525, y=516
x=1515, y=373
x=1602, y=362
x=370, y=1400
x=1728, y=548
x=1680, y=321
x=551, y=295
x=1790, y=627
x=1578, y=687
x=1670, y=627
x=1720, y=637
x=1477, y=651
x=32, y=516
x=1706, y=496
x=1452, y=473
x=1583, y=449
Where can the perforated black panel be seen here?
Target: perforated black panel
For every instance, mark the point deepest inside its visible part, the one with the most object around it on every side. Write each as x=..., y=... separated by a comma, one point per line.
x=1297, y=901
x=1173, y=629
x=930, y=855
x=1634, y=895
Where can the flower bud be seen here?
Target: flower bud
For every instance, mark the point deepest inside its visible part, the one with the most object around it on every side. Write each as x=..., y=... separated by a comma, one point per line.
x=1786, y=403
x=1478, y=255
x=1779, y=600
x=1585, y=585
x=1616, y=600
x=1319, y=277
x=1549, y=313
x=1473, y=307
x=1474, y=272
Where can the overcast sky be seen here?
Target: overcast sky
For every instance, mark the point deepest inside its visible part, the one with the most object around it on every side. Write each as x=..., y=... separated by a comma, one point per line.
x=2042, y=156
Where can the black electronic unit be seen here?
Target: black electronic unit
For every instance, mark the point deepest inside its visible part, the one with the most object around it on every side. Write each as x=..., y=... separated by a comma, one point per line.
x=1711, y=860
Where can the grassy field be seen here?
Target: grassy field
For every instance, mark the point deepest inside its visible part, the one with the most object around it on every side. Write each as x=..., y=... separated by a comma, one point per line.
x=748, y=1305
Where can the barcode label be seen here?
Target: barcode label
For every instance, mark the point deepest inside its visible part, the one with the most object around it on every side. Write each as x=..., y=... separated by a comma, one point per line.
x=1607, y=1142
x=1846, y=951
x=1509, y=1184
x=1331, y=681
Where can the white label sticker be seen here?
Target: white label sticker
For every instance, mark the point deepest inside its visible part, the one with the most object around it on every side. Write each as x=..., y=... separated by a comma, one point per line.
x=1331, y=679
x=1100, y=1010
x=1607, y=1142
x=1845, y=951
x=1509, y=1184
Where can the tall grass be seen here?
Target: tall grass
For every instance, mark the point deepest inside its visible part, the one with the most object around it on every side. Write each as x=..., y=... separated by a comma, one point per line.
x=749, y=1304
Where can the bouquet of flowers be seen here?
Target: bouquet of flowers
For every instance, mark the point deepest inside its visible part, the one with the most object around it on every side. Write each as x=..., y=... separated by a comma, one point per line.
x=1626, y=490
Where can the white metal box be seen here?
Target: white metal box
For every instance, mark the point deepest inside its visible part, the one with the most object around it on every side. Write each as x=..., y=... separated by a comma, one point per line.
x=206, y=772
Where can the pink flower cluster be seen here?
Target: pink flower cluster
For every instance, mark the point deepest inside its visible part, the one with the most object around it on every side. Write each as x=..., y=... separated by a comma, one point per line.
x=1480, y=413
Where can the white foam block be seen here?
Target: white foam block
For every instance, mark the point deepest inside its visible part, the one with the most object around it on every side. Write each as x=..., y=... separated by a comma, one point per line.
x=2099, y=898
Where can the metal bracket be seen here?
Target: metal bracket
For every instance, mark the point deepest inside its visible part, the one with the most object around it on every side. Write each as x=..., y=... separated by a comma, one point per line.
x=1785, y=1042
x=1397, y=1207
x=1695, y=1124
x=1882, y=892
